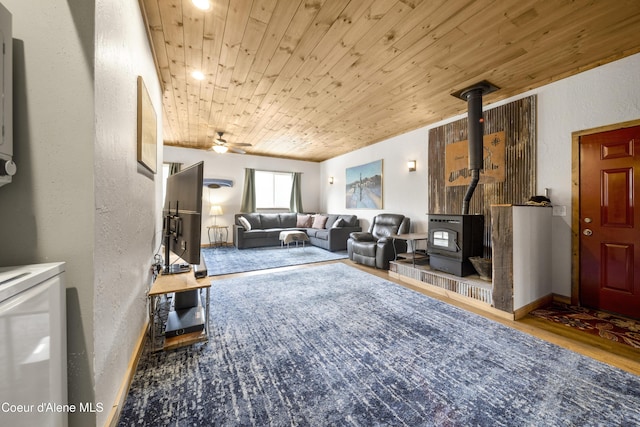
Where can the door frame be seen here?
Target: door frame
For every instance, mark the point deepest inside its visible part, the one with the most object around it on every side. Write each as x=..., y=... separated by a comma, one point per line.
x=575, y=200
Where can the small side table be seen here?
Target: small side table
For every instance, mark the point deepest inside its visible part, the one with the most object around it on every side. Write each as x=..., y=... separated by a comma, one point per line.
x=217, y=229
x=413, y=238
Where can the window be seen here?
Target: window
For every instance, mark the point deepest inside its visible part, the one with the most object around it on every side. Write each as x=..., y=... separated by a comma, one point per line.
x=165, y=175
x=273, y=189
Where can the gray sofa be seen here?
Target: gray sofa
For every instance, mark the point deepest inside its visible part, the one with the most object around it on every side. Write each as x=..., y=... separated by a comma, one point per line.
x=265, y=230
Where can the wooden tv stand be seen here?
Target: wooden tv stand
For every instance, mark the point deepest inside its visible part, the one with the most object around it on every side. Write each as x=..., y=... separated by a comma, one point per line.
x=174, y=283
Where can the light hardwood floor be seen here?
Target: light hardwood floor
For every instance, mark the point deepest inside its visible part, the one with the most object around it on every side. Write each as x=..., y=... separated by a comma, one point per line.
x=604, y=350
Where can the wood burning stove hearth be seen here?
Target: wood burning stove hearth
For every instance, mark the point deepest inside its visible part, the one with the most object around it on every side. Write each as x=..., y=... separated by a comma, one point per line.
x=452, y=240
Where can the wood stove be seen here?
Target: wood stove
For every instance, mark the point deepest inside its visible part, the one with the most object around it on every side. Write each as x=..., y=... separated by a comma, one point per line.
x=455, y=238
x=452, y=240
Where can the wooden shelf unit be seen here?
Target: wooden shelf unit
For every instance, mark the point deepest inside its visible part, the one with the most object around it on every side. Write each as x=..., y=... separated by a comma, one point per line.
x=176, y=283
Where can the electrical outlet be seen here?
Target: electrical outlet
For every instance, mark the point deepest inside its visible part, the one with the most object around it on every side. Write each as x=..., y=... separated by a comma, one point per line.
x=559, y=211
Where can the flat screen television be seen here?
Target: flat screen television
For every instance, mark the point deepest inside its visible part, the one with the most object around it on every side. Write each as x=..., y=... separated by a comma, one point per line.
x=182, y=214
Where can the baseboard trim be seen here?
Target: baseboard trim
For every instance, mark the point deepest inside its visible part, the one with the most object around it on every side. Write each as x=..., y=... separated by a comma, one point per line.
x=562, y=299
x=524, y=310
x=116, y=409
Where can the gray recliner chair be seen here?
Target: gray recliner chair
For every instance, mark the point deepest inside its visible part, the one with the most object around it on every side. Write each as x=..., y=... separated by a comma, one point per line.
x=374, y=248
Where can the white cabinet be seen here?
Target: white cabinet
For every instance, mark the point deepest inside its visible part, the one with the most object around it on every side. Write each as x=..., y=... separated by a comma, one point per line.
x=33, y=346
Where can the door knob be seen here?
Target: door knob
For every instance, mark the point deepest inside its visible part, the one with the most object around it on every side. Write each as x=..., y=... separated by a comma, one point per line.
x=587, y=232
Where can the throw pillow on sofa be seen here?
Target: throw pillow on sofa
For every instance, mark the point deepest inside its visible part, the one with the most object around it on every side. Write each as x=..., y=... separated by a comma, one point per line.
x=319, y=221
x=245, y=223
x=304, y=221
x=338, y=223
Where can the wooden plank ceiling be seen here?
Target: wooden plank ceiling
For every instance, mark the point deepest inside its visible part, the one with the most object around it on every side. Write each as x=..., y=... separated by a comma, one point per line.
x=313, y=79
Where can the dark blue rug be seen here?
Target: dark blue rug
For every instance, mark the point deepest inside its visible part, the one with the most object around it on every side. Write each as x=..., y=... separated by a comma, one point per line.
x=227, y=260
x=332, y=345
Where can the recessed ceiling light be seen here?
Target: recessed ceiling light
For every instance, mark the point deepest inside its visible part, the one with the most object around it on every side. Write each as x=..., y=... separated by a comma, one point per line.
x=197, y=75
x=202, y=4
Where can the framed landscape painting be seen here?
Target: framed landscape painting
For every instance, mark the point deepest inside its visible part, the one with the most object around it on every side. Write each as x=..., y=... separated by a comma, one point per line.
x=364, y=186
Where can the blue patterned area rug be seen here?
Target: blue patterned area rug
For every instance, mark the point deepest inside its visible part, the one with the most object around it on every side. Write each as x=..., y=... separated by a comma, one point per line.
x=228, y=260
x=332, y=345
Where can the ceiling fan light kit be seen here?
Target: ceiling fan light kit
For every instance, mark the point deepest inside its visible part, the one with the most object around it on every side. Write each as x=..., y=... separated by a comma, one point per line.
x=221, y=145
x=221, y=149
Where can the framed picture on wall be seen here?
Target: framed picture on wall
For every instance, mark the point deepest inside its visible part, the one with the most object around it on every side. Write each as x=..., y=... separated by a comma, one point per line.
x=147, y=129
x=364, y=186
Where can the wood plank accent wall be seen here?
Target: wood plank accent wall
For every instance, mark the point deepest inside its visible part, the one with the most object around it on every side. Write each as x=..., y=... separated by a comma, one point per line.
x=503, y=259
x=518, y=120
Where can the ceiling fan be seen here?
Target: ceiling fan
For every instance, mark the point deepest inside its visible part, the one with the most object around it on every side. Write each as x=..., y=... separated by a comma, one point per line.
x=221, y=145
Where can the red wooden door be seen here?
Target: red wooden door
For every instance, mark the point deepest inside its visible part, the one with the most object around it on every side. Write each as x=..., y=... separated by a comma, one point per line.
x=609, y=222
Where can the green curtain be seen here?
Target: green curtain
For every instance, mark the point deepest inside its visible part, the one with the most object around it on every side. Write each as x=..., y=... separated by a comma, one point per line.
x=249, y=194
x=174, y=168
x=295, y=204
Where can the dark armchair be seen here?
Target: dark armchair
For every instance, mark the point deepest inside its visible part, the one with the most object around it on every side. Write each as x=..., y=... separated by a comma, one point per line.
x=375, y=248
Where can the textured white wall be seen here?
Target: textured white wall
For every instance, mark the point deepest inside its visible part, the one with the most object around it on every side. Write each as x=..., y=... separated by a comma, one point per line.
x=231, y=166
x=79, y=195
x=47, y=212
x=605, y=95
x=404, y=192
x=126, y=194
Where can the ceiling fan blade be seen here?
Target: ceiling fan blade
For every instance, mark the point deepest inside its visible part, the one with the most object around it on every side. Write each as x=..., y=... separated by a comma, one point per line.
x=237, y=150
x=239, y=144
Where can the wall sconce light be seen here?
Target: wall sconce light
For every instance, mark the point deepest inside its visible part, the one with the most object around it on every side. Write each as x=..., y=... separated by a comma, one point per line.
x=330, y=180
x=411, y=164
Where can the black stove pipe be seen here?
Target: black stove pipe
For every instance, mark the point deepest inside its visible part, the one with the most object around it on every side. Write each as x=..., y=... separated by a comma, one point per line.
x=475, y=134
x=475, y=177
